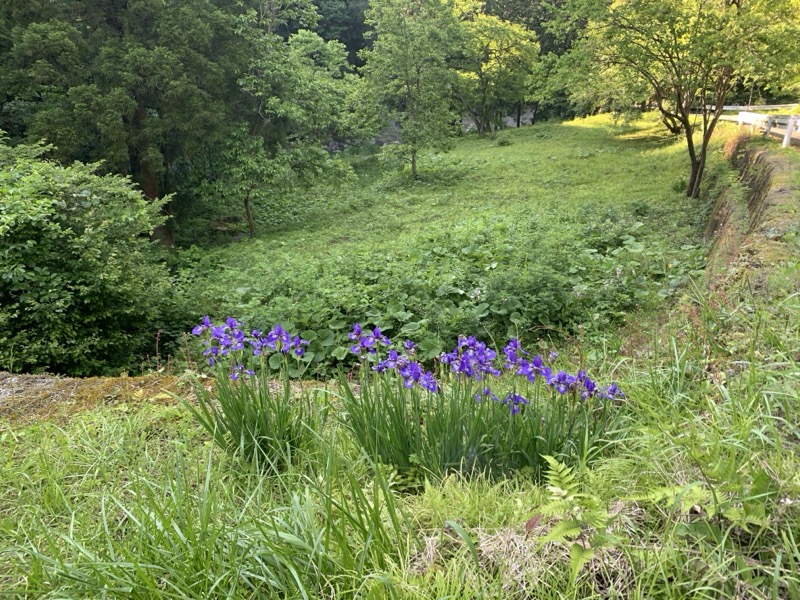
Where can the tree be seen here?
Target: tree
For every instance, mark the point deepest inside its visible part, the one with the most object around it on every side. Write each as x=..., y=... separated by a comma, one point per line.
x=81, y=289
x=406, y=78
x=558, y=25
x=691, y=53
x=153, y=89
x=343, y=20
x=300, y=85
x=136, y=85
x=495, y=61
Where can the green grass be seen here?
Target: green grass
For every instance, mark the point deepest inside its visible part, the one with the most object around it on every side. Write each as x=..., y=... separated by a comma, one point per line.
x=695, y=495
x=573, y=224
x=698, y=495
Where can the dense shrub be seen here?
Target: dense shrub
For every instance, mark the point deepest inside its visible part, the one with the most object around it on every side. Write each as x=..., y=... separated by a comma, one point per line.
x=80, y=288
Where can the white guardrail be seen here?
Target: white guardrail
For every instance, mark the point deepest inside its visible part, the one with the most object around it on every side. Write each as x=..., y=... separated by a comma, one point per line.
x=775, y=125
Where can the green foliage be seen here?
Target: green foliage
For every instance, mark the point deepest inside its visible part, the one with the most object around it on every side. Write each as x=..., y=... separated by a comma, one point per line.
x=430, y=435
x=495, y=59
x=406, y=79
x=687, y=55
x=343, y=20
x=579, y=517
x=181, y=520
x=557, y=243
x=697, y=498
x=158, y=92
x=256, y=418
x=81, y=290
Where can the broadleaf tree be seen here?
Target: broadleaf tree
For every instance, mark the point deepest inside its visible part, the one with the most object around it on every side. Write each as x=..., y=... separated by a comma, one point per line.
x=407, y=82
x=691, y=54
x=495, y=62
x=558, y=25
x=154, y=89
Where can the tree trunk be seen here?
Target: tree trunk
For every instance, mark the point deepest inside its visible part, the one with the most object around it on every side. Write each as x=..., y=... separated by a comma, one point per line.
x=251, y=224
x=696, y=174
x=686, y=121
x=414, y=164
x=701, y=167
x=148, y=177
x=519, y=114
x=535, y=110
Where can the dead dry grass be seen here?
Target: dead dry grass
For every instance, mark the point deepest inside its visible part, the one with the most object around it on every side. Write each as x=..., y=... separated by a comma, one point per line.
x=27, y=398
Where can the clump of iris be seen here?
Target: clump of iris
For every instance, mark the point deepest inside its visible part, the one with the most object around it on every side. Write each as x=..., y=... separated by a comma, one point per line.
x=411, y=370
x=230, y=340
x=471, y=358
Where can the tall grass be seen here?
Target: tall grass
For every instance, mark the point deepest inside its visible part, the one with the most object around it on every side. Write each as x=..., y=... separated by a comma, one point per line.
x=259, y=418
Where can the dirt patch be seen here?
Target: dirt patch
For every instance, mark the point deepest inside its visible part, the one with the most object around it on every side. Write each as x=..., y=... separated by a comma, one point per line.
x=26, y=398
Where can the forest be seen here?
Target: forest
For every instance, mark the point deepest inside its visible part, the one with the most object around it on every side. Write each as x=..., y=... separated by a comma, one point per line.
x=398, y=299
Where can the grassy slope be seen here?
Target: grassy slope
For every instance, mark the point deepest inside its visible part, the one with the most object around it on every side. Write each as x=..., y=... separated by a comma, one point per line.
x=704, y=484
x=547, y=171
x=492, y=222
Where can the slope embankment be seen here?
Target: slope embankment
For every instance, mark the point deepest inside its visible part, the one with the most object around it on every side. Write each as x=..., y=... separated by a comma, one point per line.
x=754, y=226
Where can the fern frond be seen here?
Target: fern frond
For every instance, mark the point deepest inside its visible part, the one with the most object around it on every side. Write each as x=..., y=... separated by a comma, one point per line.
x=560, y=478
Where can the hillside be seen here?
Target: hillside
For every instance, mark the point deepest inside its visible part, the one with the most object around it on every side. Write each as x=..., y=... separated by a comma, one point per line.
x=542, y=230
x=687, y=488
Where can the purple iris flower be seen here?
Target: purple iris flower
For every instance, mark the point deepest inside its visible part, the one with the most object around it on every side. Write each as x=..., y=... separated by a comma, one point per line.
x=514, y=402
x=428, y=382
x=205, y=324
x=376, y=333
x=237, y=339
x=390, y=363
x=613, y=392
x=514, y=353
x=485, y=393
x=471, y=358
x=562, y=381
x=365, y=340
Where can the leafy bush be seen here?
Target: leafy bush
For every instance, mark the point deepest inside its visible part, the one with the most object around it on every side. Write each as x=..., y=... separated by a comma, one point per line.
x=80, y=286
